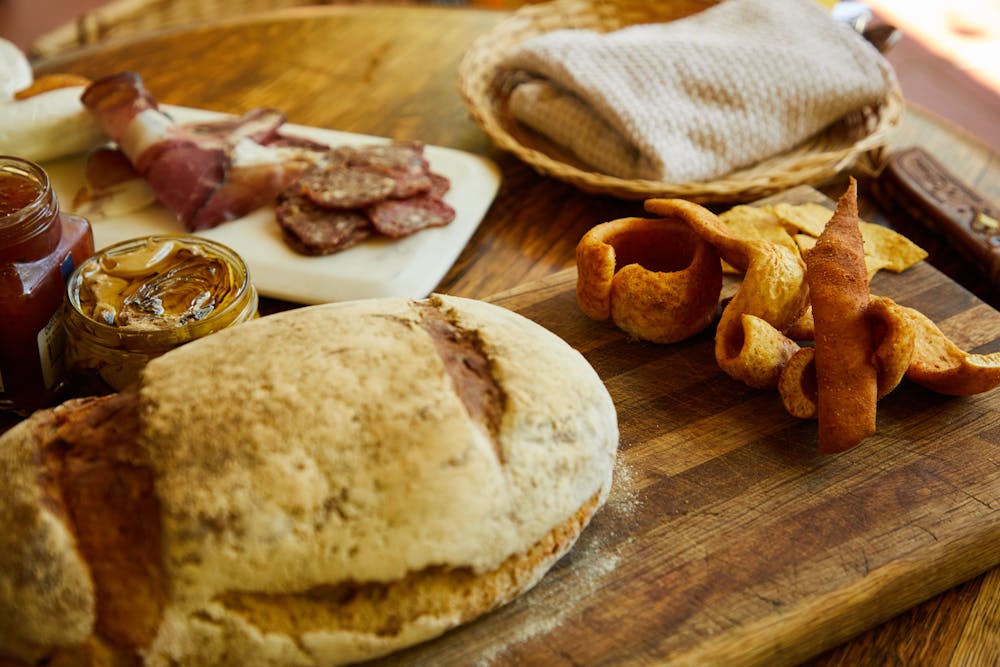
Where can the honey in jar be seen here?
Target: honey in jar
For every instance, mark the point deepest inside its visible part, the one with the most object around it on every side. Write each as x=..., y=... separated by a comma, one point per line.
x=138, y=299
x=39, y=248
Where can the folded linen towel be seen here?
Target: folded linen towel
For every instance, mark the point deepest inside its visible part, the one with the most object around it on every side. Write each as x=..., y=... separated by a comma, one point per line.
x=699, y=97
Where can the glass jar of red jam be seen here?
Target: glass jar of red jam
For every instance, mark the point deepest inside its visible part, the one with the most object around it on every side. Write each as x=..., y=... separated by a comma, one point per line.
x=39, y=249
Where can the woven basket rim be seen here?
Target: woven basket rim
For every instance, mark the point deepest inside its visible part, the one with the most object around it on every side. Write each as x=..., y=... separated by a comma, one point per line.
x=805, y=164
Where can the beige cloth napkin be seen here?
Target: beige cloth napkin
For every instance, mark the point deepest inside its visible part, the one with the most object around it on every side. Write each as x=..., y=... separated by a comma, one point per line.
x=696, y=98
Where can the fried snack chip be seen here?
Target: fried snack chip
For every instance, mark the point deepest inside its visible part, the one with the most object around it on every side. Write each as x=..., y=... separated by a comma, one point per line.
x=873, y=263
x=797, y=384
x=655, y=278
x=884, y=248
x=893, y=336
x=940, y=365
x=764, y=352
x=890, y=249
x=773, y=290
x=809, y=218
x=803, y=328
x=755, y=222
x=47, y=82
x=846, y=378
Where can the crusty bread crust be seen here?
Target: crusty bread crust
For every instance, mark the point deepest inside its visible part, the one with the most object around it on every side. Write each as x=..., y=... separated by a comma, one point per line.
x=326, y=493
x=46, y=594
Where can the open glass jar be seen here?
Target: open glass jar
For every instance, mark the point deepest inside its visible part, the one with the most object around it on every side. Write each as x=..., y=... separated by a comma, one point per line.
x=135, y=300
x=39, y=248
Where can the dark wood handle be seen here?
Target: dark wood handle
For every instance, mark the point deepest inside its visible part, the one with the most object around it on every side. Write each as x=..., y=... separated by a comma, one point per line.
x=918, y=187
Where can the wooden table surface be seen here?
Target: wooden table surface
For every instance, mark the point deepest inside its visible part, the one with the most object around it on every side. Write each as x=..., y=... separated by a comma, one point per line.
x=392, y=71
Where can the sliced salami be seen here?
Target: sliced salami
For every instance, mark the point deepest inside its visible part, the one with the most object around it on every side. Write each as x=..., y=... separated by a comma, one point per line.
x=439, y=186
x=403, y=162
x=345, y=186
x=316, y=230
x=397, y=218
x=351, y=192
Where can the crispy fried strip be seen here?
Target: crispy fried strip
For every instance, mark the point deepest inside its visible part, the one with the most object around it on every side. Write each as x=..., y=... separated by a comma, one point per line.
x=655, y=278
x=773, y=289
x=754, y=222
x=893, y=335
x=595, y=264
x=845, y=375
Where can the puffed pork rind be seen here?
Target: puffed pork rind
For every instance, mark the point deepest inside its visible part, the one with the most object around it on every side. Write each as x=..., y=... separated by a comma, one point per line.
x=941, y=366
x=655, y=278
x=870, y=342
x=773, y=290
x=893, y=340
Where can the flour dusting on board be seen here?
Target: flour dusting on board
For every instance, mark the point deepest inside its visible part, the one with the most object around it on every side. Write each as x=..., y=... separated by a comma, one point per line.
x=596, y=554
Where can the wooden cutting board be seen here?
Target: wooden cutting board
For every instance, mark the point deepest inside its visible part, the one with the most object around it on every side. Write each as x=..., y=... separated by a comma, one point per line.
x=727, y=539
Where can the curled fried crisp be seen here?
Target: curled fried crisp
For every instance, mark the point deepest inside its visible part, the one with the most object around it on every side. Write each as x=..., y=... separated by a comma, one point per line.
x=894, y=337
x=940, y=365
x=773, y=290
x=655, y=278
x=764, y=351
x=803, y=328
x=754, y=222
x=797, y=384
x=846, y=378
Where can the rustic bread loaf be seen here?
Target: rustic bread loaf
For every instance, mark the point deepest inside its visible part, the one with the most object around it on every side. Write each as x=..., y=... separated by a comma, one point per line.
x=315, y=487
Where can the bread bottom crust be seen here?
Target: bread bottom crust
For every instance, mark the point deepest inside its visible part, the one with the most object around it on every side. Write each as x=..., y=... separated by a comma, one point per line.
x=383, y=608
x=386, y=617
x=382, y=616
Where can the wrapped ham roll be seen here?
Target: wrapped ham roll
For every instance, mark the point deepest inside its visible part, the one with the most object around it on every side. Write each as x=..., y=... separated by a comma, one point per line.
x=205, y=174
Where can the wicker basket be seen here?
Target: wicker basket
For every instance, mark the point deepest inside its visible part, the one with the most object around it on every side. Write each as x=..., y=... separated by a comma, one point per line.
x=856, y=142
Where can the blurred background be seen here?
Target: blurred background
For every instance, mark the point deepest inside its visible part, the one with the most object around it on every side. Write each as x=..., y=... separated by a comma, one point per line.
x=948, y=59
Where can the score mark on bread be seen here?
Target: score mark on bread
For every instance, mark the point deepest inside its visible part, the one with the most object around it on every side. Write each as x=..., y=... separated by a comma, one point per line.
x=469, y=368
x=349, y=480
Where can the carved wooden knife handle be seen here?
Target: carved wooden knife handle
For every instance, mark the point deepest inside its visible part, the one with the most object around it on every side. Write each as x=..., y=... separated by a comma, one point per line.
x=917, y=185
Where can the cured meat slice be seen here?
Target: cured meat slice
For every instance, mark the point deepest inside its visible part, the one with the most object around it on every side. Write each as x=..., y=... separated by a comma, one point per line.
x=115, y=100
x=296, y=145
x=397, y=218
x=107, y=167
x=260, y=125
x=319, y=214
x=345, y=186
x=184, y=176
x=404, y=162
x=439, y=186
x=206, y=174
x=316, y=230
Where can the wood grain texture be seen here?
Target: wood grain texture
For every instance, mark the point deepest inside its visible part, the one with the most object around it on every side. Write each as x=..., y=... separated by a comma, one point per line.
x=392, y=71
x=728, y=539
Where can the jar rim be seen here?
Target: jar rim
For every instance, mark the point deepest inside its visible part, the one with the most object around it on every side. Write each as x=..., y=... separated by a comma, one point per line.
x=32, y=219
x=244, y=298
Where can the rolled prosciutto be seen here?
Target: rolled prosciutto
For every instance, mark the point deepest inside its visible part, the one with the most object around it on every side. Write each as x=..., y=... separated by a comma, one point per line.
x=204, y=173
